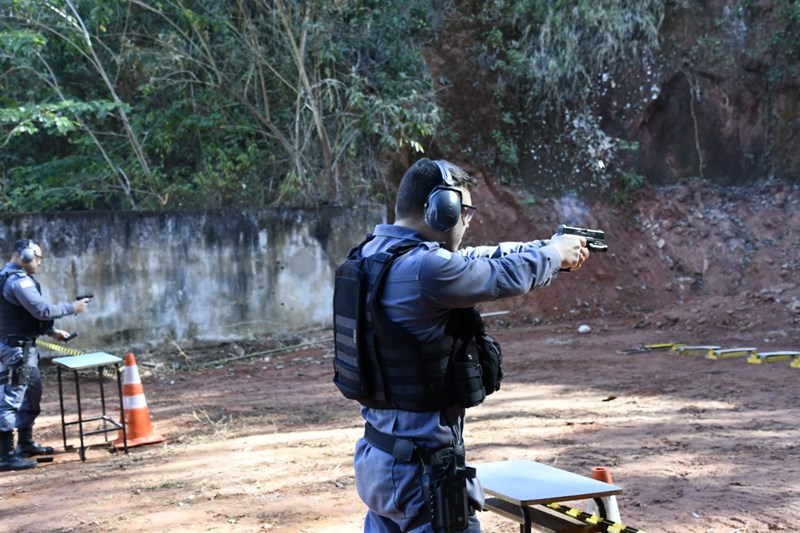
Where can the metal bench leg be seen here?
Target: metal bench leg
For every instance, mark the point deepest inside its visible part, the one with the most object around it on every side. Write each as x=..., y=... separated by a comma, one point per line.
x=122, y=409
x=61, y=404
x=103, y=402
x=82, y=450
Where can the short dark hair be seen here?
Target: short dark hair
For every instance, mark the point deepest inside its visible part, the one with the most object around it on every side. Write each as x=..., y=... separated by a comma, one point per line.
x=418, y=182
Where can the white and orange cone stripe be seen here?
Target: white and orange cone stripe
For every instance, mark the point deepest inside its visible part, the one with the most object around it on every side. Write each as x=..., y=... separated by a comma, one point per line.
x=132, y=388
x=138, y=429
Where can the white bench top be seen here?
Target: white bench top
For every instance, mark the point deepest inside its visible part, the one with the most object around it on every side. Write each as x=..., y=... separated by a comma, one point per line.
x=525, y=482
x=89, y=360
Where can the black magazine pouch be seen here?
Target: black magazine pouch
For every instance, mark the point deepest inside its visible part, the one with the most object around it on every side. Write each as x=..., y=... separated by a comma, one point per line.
x=490, y=356
x=465, y=362
x=468, y=377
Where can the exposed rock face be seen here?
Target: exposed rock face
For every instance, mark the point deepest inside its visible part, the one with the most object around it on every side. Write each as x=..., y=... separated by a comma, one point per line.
x=712, y=123
x=719, y=101
x=729, y=105
x=692, y=256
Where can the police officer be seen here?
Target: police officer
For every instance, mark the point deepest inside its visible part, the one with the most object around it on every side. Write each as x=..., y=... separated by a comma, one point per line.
x=427, y=283
x=24, y=315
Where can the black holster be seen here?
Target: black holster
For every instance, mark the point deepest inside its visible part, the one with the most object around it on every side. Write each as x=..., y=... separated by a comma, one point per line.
x=19, y=374
x=446, y=484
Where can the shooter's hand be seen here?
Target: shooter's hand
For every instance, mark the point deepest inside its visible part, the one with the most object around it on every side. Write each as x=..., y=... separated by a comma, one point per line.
x=59, y=334
x=573, y=250
x=80, y=305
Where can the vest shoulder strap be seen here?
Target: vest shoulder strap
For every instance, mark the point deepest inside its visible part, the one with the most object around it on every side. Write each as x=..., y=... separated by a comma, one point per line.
x=4, y=277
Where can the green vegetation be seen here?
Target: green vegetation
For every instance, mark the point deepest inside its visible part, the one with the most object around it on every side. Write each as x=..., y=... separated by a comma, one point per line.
x=152, y=104
x=553, y=52
x=551, y=60
x=726, y=38
x=163, y=485
x=628, y=184
x=785, y=43
x=141, y=104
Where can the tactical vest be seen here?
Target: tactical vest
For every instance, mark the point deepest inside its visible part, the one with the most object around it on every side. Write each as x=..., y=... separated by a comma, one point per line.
x=380, y=364
x=15, y=320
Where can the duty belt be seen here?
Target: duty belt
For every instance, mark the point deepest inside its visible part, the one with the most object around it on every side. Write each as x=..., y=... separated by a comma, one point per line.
x=402, y=449
x=18, y=342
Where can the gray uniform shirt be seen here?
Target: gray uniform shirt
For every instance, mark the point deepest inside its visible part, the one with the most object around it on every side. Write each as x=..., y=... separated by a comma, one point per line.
x=421, y=287
x=20, y=289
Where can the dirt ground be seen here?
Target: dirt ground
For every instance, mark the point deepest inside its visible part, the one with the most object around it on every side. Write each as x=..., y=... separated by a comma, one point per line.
x=264, y=442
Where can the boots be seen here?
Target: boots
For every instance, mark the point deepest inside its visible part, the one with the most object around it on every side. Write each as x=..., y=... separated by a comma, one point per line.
x=9, y=460
x=28, y=447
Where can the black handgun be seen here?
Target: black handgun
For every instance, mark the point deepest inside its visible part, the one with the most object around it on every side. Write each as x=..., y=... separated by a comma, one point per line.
x=78, y=298
x=595, y=238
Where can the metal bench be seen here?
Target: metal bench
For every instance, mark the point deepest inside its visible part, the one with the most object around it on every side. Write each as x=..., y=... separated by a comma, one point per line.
x=521, y=489
x=731, y=352
x=759, y=358
x=89, y=361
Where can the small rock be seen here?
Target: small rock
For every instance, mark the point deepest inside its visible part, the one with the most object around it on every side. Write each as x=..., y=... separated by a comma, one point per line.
x=583, y=328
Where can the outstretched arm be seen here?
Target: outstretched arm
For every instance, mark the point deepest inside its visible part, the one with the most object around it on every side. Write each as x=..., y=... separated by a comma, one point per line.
x=26, y=294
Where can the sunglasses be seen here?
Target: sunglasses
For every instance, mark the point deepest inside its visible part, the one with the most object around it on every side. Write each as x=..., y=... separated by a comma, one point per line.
x=468, y=211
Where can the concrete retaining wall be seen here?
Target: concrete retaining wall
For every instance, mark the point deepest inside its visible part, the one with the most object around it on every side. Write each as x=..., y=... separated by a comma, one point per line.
x=191, y=277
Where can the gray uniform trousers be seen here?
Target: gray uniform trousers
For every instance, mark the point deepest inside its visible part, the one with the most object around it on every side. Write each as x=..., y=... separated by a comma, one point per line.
x=19, y=404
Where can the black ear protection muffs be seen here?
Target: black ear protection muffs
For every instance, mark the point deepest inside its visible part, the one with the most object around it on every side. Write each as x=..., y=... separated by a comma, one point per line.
x=443, y=207
x=27, y=254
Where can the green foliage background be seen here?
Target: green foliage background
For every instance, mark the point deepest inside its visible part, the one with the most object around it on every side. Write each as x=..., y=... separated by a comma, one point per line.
x=148, y=104
x=151, y=104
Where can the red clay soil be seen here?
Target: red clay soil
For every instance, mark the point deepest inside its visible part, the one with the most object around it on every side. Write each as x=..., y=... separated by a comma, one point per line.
x=265, y=443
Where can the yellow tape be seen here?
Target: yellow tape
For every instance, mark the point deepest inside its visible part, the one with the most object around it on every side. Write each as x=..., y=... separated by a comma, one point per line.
x=57, y=347
x=663, y=346
x=592, y=519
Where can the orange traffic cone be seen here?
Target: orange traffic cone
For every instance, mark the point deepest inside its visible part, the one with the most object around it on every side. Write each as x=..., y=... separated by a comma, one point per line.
x=601, y=473
x=137, y=416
